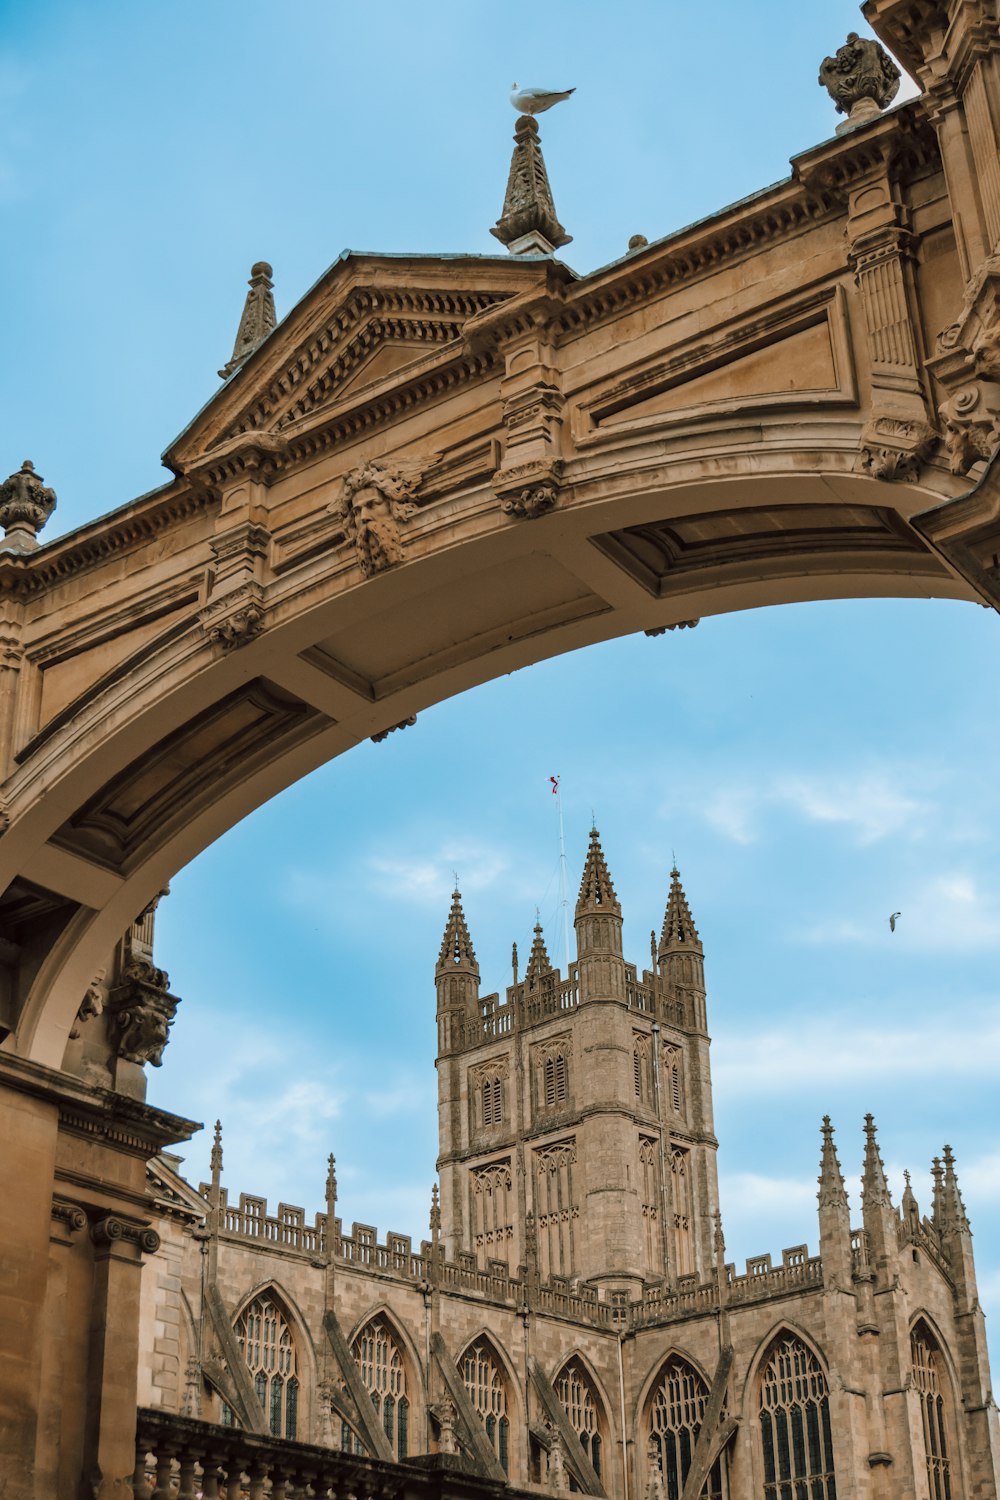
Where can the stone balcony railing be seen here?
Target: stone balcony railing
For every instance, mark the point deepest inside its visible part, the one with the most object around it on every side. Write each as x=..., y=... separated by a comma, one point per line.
x=187, y=1459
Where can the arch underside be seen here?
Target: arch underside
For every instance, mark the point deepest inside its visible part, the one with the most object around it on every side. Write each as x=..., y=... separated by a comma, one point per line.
x=175, y=742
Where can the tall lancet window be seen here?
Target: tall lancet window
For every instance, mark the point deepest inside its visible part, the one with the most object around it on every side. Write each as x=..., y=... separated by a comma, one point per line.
x=676, y=1414
x=680, y=1182
x=579, y=1402
x=487, y=1392
x=931, y=1384
x=795, y=1424
x=380, y=1360
x=268, y=1350
x=492, y=1212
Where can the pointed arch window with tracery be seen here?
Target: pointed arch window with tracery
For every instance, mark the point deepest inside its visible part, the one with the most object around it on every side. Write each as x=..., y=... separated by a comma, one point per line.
x=579, y=1402
x=492, y=1212
x=930, y=1382
x=672, y=1077
x=268, y=1349
x=796, y=1443
x=556, y=1209
x=648, y=1169
x=676, y=1414
x=379, y=1357
x=680, y=1182
x=487, y=1391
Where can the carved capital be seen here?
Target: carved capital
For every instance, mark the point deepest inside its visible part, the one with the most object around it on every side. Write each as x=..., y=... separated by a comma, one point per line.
x=971, y=422
x=69, y=1214
x=234, y=618
x=25, y=506
x=115, y=1229
x=896, y=447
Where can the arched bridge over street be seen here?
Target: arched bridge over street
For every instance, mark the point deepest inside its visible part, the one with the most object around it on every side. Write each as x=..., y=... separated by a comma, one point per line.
x=439, y=469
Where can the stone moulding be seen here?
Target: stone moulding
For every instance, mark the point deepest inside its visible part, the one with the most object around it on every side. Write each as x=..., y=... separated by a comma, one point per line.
x=70, y=1214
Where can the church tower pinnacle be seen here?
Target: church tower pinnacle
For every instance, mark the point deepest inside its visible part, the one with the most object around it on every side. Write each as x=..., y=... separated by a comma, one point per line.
x=598, y=923
x=457, y=980
x=681, y=959
x=834, y=1212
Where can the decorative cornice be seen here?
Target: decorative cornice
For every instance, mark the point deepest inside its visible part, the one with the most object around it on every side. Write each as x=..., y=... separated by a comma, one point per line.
x=95, y=1112
x=108, y=536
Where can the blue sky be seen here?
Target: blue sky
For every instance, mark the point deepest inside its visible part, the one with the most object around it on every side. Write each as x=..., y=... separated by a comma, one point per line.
x=814, y=768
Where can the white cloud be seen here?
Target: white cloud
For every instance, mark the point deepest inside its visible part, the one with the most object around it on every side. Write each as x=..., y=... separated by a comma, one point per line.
x=753, y=1193
x=817, y=1052
x=869, y=804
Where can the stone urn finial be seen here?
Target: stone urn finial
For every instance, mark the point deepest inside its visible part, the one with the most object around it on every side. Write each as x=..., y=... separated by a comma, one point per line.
x=25, y=506
x=861, y=79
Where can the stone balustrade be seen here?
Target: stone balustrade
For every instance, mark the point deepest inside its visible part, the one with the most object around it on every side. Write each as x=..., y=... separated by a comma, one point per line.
x=186, y=1459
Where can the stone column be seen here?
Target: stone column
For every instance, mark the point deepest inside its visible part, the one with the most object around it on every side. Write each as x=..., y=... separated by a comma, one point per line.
x=28, y=1129
x=109, y=1444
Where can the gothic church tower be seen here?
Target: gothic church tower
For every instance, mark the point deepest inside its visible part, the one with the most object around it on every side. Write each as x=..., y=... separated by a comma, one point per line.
x=576, y=1134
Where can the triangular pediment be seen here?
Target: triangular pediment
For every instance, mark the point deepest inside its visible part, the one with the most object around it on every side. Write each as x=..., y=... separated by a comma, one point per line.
x=370, y=323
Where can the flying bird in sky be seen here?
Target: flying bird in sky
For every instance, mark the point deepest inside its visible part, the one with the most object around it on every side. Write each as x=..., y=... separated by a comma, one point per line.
x=535, y=101
x=892, y=920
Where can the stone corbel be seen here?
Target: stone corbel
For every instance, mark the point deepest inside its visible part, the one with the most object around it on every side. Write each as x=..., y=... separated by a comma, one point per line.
x=142, y=1011
x=528, y=490
x=235, y=617
x=896, y=447
x=967, y=366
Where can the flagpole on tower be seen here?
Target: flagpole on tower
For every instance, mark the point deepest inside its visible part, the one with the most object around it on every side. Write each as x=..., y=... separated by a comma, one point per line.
x=563, y=893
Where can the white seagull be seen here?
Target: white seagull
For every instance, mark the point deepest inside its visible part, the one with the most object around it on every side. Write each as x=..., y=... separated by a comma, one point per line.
x=892, y=920
x=536, y=101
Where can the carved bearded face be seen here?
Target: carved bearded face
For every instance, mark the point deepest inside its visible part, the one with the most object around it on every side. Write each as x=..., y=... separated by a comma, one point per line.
x=376, y=530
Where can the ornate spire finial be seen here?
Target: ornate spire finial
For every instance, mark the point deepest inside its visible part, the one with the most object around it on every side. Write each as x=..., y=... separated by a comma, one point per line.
x=719, y=1239
x=216, y=1157
x=258, y=318
x=952, y=1205
x=832, y=1192
x=25, y=506
x=331, y=1182
x=528, y=224
x=539, y=962
x=874, y=1188
x=457, y=951
x=861, y=79
x=678, y=923
x=937, y=1192
x=435, y=1212
x=597, y=893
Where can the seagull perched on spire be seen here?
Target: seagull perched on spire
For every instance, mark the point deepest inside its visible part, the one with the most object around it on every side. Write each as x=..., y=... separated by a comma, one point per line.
x=536, y=101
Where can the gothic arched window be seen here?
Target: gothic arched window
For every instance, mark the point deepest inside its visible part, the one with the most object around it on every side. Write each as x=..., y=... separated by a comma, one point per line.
x=676, y=1414
x=931, y=1384
x=383, y=1373
x=487, y=1392
x=555, y=1079
x=672, y=1076
x=266, y=1343
x=579, y=1402
x=795, y=1423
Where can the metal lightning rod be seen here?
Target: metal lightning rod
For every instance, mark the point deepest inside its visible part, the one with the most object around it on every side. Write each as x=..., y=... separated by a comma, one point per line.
x=563, y=892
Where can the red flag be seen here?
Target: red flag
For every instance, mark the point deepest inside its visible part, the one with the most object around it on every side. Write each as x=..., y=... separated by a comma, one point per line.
x=555, y=785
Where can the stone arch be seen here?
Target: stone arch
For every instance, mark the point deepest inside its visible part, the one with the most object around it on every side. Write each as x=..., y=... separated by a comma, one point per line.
x=645, y=1390
x=403, y=1433
x=513, y=1402
x=939, y=1426
x=306, y=1365
x=603, y=1429
x=805, y=1415
x=76, y=769
x=668, y=1421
